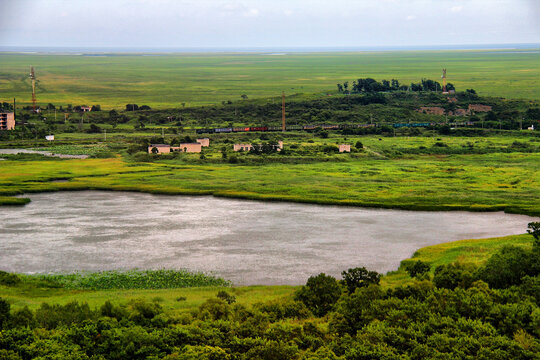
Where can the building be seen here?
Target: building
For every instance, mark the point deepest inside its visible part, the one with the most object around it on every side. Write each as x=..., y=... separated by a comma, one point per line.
x=433, y=110
x=188, y=147
x=461, y=112
x=161, y=148
x=242, y=147
x=7, y=121
x=248, y=147
x=86, y=108
x=344, y=148
x=479, y=108
x=49, y=137
x=204, y=142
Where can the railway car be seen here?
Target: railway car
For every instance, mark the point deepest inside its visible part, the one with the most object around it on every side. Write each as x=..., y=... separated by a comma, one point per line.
x=258, y=128
x=223, y=130
x=240, y=129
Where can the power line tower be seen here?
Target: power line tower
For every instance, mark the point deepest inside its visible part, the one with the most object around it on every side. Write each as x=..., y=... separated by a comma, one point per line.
x=33, y=78
x=283, y=111
x=444, y=81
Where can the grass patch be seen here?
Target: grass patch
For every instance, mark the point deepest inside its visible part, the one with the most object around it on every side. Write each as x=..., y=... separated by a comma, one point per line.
x=114, y=81
x=132, y=279
x=473, y=251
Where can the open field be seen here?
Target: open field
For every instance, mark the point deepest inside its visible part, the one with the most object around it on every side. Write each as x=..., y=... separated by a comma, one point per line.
x=196, y=79
x=490, y=182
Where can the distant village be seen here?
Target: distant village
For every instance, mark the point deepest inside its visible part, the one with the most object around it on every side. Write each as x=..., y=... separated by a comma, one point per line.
x=196, y=147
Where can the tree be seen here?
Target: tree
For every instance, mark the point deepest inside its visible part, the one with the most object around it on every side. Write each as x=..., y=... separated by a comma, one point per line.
x=533, y=228
x=94, y=129
x=359, y=277
x=155, y=150
x=132, y=107
x=453, y=275
x=508, y=267
x=319, y=294
x=340, y=88
x=96, y=108
x=4, y=312
x=359, y=145
x=417, y=268
x=244, y=96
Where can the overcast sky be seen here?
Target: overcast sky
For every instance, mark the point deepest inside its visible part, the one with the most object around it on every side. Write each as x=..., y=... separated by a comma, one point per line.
x=267, y=23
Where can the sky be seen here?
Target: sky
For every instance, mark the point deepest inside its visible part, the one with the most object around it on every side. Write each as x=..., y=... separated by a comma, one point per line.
x=266, y=23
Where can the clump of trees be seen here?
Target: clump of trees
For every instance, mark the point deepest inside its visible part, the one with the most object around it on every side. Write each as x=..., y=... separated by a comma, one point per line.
x=369, y=85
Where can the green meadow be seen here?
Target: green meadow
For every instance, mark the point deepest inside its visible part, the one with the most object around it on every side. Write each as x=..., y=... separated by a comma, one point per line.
x=176, y=80
x=478, y=182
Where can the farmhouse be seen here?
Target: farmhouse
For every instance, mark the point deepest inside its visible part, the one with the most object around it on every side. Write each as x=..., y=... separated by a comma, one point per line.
x=433, y=110
x=188, y=147
x=479, y=108
x=344, y=148
x=204, y=142
x=242, y=147
x=86, y=108
x=161, y=148
x=7, y=121
x=461, y=112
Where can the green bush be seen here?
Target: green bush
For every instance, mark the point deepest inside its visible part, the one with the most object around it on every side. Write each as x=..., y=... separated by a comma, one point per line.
x=359, y=277
x=9, y=279
x=418, y=269
x=319, y=294
x=453, y=275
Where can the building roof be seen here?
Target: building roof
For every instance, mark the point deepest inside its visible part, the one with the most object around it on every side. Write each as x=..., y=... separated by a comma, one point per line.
x=159, y=145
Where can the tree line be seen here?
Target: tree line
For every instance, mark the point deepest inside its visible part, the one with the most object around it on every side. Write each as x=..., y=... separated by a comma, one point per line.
x=369, y=85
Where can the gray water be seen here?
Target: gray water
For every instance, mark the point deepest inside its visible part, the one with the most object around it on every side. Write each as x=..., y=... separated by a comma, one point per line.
x=247, y=242
x=44, y=153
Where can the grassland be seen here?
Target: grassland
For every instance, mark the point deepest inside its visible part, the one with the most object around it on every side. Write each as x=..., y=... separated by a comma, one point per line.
x=482, y=182
x=198, y=79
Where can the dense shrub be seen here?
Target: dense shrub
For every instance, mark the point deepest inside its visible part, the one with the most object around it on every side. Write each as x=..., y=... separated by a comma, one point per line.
x=509, y=266
x=319, y=294
x=359, y=277
x=453, y=275
x=418, y=268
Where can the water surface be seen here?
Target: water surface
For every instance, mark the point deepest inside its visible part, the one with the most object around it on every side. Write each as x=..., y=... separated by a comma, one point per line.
x=248, y=242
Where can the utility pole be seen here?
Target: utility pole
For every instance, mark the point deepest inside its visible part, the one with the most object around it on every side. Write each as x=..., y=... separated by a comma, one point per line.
x=33, y=78
x=105, y=130
x=283, y=127
x=14, y=109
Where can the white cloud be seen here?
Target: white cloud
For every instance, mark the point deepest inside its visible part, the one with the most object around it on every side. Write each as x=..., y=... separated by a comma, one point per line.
x=251, y=12
x=456, y=9
x=410, y=18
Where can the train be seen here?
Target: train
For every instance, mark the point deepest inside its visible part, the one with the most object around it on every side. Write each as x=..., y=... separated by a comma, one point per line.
x=323, y=127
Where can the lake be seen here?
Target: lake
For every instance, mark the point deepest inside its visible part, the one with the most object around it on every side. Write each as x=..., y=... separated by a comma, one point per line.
x=247, y=242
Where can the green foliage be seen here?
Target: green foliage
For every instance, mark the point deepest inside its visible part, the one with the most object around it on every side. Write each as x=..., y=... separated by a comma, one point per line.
x=133, y=279
x=418, y=268
x=453, y=275
x=509, y=266
x=319, y=294
x=225, y=296
x=359, y=277
x=4, y=312
x=9, y=279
